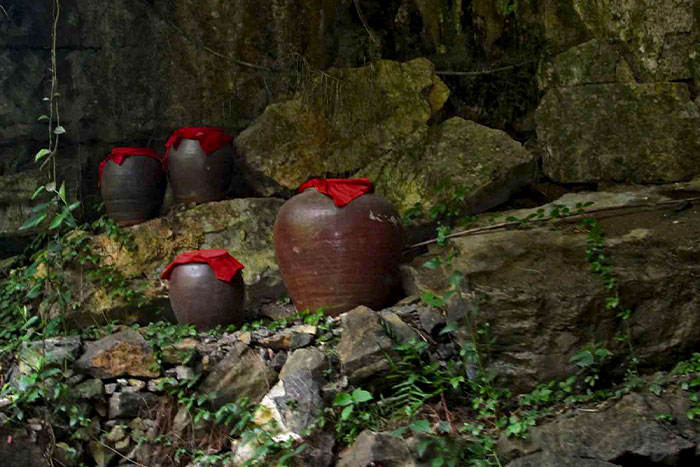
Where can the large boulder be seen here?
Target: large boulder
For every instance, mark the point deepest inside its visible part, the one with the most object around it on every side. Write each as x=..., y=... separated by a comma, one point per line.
x=643, y=133
x=628, y=432
x=543, y=302
x=348, y=119
x=485, y=164
x=243, y=227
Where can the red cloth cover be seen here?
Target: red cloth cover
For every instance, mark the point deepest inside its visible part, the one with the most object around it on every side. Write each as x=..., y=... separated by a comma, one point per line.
x=224, y=265
x=209, y=138
x=119, y=154
x=341, y=190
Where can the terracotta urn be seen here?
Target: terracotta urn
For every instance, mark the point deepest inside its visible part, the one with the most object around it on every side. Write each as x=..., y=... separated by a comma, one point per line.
x=206, y=289
x=132, y=181
x=199, y=163
x=340, y=249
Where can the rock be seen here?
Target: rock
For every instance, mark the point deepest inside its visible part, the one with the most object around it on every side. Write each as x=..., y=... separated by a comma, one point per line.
x=642, y=133
x=377, y=449
x=110, y=388
x=181, y=353
x=593, y=62
x=319, y=450
x=125, y=353
x=16, y=208
x=341, y=125
x=17, y=448
x=294, y=404
x=53, y=352
x=241, y=373
x=364, y=342
x=543, y=303
x=291, y=338
x=116, y=434
x=182, y=373
x=90, y=389
x=130, y=404
x=243, y=227
x=309, y=360
x=486, y=165
x=626, y=433
x=431, y=320
x=657, y=36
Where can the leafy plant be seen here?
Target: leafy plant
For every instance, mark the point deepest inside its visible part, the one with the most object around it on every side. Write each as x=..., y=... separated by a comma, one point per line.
x=355, y=414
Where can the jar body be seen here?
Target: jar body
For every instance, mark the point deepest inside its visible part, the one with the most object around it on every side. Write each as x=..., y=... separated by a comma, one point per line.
x=197, y=177
x=338, y=258
x=197, y=297
x=133, y=191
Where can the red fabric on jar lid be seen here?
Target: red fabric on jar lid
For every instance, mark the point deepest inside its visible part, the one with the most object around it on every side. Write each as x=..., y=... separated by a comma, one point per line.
x=210, y=138
x=119, y=154
x=341, y=190
x=222, y=263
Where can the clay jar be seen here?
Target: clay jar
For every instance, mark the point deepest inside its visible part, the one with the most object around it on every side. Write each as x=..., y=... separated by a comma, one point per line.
x=198, y=297
x=338, y=257
x=200, y=164
x=132, y=181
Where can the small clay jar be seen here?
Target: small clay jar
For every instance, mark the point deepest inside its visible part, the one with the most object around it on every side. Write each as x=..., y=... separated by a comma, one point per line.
x=133, y=189
x=196, y=175
x=338, y=257
x=206, y=288
x=197, y=297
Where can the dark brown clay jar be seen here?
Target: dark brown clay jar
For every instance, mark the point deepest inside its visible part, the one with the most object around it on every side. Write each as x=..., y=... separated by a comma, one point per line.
x=338, y=257
x=197, y=297
x=133, y=191
x=197, y=177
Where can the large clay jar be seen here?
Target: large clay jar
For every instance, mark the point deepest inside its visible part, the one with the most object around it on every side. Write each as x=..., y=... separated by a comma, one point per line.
x=206, y=289
x=200, y=164
x=335, y=254
x=132, y=181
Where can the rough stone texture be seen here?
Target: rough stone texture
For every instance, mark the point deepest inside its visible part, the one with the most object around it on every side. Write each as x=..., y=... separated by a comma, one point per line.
x=125, y=353
x=17, y=448
x=305, y=361
x=644, y=133
x=243, y=227
x=348, y=120
x=241, y=373
x=456, y=154
x=364, y=343
x=53, y=352
x=378, y=449
x=130, y=404
x=657, y=36
x=593, y=62
x=294, y=403
x=544, y=303
x=626, y=433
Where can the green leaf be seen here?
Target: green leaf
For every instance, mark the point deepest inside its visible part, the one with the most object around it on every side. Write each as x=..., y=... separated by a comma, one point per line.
x=41, y=154
x=347, y=411
x=422, y=426
x=449, y=327
x=360, y=395
x=432, y=299
x=37, y=191
x=57, y=221
x=42, y=118
x=62, y=192
x=59, y=130
x=583, y=359
x=34, y=221
x=40, y=207
x=422, y=447
x=342, y=399
x=74, y=206
x=432, y=264
x=456, y=278
x=437, y=462
x=398, y=433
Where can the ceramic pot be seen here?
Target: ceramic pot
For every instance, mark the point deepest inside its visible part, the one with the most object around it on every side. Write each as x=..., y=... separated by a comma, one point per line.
x=197, y=177
x=197, y=297
x=338, y=258
x=133, y=191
